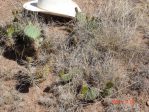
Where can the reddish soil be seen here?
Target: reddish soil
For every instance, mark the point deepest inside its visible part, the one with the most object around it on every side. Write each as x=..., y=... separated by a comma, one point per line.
x=27, y=102
x=6, y=8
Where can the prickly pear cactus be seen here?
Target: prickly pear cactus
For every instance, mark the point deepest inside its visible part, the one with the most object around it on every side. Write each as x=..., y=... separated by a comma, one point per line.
x=65, y=77
x=91, y=94
x=84, y=89
x=81, y=17
x=88, y=94
x=32, y=31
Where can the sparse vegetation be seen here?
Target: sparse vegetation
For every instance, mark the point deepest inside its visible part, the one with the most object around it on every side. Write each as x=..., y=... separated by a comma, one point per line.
x=104, y=56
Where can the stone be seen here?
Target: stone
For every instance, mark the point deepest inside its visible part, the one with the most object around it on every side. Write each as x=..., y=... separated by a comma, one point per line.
x=147, y=103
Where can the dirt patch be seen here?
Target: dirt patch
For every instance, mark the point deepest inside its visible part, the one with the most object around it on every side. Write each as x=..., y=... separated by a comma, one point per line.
x=31, y=99
x=8, y=68
x=96, y=107
x=12, y=100
x=6, y=8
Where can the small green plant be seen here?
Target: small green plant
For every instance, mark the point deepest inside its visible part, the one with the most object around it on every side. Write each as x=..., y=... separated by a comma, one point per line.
x=92, y=94
x=88, y=22
x=84, y=89
x=32, y=31
x=65, y=77
x=106, y=90
x=42, y=73
x=10, y=31
x=88, y=93
x=109, y=85
x=81, y=18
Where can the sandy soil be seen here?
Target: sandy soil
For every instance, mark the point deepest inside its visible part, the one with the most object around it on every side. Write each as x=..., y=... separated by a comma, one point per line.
x=6, y=8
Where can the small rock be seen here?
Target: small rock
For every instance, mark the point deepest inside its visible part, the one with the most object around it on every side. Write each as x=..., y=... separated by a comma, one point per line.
x=147, y=103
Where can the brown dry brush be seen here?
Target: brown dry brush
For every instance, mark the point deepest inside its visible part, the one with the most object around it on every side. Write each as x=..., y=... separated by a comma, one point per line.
x=103, y=50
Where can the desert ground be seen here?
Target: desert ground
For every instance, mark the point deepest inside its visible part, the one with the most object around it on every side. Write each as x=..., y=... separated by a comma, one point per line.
x=96, y=62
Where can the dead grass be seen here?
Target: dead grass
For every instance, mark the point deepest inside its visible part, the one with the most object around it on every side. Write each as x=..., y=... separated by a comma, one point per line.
x=107, y=51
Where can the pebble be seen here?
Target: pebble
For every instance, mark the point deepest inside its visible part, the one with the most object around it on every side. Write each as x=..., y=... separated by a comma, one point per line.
x=147, y=103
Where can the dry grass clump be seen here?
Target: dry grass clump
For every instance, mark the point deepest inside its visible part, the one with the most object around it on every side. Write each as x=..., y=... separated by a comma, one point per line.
x=141, y=78
x=119, y=21
x=103, y=48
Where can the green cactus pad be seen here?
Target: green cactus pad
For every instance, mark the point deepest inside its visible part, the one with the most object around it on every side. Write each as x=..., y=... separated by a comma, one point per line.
x=84, y=89
x=32, y=31
x=92, y=94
